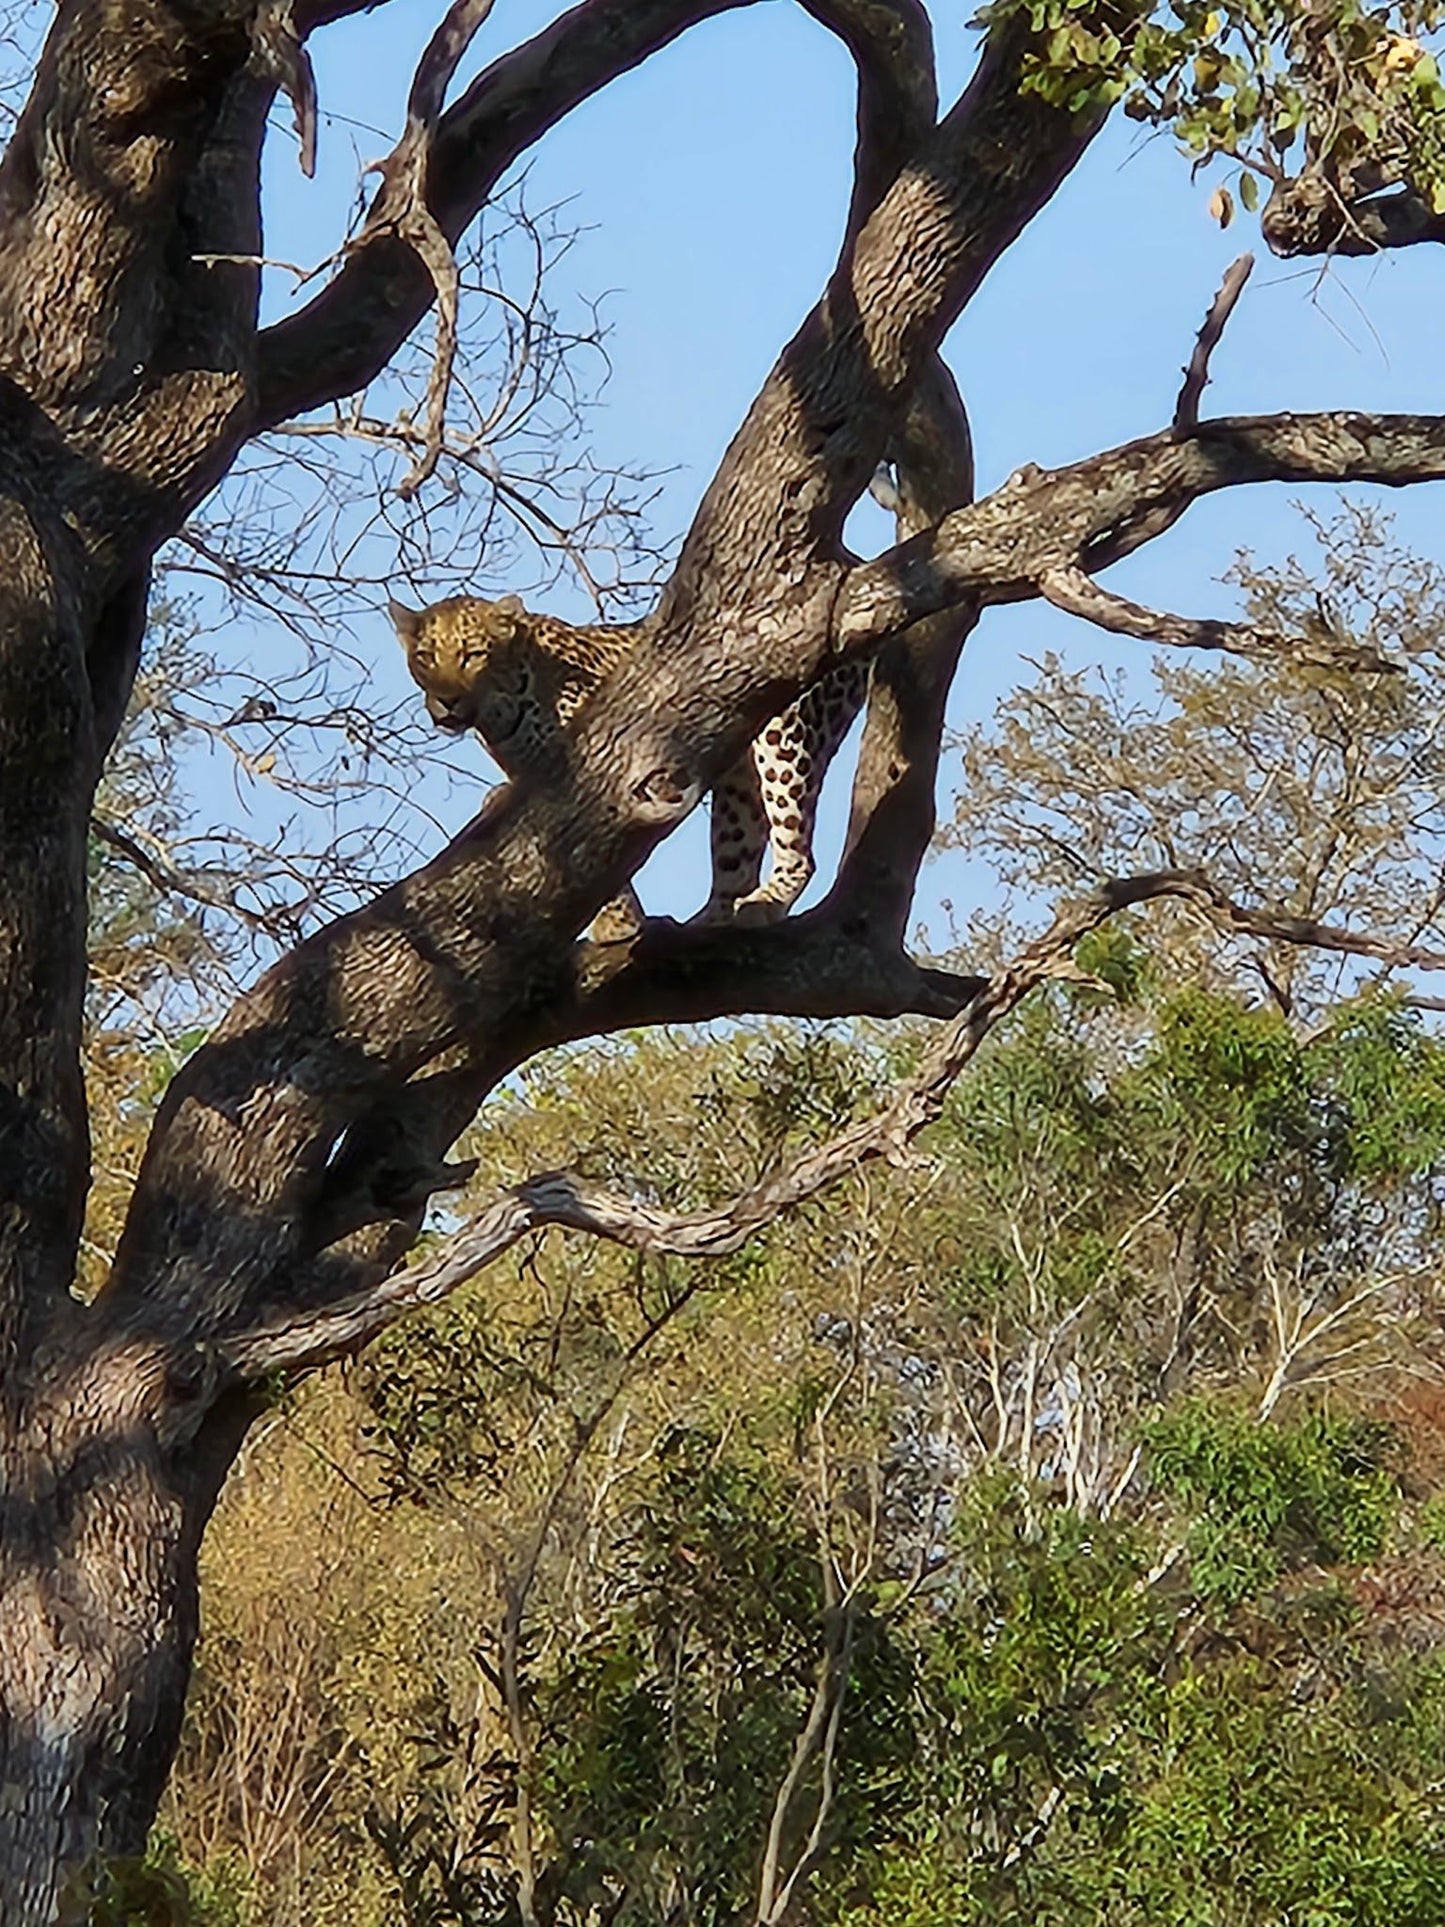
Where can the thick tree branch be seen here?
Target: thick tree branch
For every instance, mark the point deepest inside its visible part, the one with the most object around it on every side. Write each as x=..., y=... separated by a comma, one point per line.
x=893, y=807
x=561, y=1198
x=1312, y=215
x=891, y=42
x=817, y=965
x=817, y=432
x=308, y=1339
x=893, y=813
x=1095, y=511
x=129, y=341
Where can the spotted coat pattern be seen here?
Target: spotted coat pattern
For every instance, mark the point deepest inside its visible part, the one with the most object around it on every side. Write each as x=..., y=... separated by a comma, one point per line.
x=518, y=678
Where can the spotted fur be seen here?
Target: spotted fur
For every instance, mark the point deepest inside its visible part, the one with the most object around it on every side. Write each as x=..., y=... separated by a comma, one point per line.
x=518, y=679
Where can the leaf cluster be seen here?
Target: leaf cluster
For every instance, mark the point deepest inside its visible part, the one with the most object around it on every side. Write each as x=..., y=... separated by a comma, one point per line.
x=1350, y=89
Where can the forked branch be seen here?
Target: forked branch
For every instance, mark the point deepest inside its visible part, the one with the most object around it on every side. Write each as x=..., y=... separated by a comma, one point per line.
x=308, y=1339
x=1092, y=513
x=408, y=213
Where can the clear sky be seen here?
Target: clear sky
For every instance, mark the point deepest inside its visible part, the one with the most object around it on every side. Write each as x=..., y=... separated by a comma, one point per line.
x=712, y=183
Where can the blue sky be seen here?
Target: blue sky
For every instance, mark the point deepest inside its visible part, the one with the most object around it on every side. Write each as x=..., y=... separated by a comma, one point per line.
x=713, y=183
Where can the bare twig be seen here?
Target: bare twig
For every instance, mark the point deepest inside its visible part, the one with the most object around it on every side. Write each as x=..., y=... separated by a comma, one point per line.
x=1196, y=375
x=1077, y=593
x=404, y=173
x=173, y=882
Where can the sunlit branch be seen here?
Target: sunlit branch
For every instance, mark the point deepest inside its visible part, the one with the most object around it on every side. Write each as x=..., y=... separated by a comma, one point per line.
x=1196, y=375
x=1080, y=595
x=563, y=1198
x=1094, y=512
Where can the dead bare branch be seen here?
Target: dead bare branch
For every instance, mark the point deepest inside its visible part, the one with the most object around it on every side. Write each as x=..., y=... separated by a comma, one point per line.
x=192, y=886
x=311, y=1337
x=1079, y=594
x=345, y=336
x=280, y=53
x=1280, y=927
x=409, y=216
x=1196, y=374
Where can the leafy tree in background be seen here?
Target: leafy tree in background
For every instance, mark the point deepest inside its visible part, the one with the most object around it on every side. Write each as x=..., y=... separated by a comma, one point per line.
x=290, y=1160
x=1115, y=1589
x=1312, y=791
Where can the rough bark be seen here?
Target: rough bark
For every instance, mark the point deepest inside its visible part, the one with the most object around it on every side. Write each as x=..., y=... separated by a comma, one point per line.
x=1313, y=215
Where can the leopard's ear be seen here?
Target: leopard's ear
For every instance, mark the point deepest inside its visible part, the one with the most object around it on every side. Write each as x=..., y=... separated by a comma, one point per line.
x=407, y=622
x=510, y=605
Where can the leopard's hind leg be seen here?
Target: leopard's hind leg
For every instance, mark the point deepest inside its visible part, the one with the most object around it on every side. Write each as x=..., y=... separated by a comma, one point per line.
x=739, y=836
x=792, y=757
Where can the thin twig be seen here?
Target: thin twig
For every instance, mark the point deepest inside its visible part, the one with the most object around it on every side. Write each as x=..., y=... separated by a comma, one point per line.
x=173, y=882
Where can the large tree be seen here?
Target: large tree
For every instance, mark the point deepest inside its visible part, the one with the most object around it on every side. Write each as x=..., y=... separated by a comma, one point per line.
x=293, y=1155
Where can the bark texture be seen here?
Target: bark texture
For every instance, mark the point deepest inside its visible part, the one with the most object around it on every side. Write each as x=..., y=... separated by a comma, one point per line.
x=288, y=1167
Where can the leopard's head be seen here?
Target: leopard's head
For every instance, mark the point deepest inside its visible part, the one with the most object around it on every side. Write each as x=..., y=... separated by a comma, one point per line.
x=476, y=664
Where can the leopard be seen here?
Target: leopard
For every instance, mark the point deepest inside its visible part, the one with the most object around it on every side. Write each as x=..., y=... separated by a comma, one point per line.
x=518, y=678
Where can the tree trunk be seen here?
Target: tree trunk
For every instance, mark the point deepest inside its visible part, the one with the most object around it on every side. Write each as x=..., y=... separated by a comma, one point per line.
x=97, y=1623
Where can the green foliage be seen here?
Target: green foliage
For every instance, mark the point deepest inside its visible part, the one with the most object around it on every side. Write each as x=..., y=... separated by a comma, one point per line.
x=1263, y=1806
x=1261, y=82
x=1093, y=1749
x=1262, y=1500
x=1236, y=1078
x=1050, y=1713
x=1114, y=955
x=1386, y=1076
x=157, y=1890
x=669, y=1734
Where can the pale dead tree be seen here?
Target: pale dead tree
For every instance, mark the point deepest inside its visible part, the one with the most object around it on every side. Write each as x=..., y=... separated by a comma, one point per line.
x=290, y=1162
